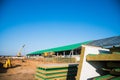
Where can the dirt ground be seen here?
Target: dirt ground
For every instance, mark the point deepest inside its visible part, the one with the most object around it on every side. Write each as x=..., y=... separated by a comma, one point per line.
x=21, y=70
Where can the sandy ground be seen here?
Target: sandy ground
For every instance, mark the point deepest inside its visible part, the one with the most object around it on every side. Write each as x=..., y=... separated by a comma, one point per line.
x=20, y=70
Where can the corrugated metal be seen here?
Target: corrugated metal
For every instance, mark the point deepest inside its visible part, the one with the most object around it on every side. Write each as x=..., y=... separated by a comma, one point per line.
x=63, y=48
x=107, y=42
x=56, y=72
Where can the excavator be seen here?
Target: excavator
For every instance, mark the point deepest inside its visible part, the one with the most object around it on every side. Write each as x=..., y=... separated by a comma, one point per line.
x=8, y=61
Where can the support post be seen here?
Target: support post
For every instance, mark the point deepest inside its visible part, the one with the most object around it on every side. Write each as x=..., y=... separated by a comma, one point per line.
x=57, y=54
x=64, y=53
x=72, y=52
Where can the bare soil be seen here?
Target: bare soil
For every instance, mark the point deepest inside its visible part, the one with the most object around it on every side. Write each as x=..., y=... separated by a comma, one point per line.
x=20, y=70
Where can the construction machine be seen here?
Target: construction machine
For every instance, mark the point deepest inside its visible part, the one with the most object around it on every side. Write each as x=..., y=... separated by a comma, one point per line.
x=7, y=63
x=48, y=54
x=19, y=53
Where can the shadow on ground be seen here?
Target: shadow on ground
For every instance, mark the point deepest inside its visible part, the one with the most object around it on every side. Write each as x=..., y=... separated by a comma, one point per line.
x=2, y=69
x=15, y=66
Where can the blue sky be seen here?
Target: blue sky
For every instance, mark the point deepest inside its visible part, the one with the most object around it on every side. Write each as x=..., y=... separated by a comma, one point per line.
x=41, y=24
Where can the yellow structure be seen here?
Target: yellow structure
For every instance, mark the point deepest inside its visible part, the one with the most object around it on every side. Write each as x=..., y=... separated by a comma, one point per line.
x=103, y=57
x=48, y=54
x=19, y=53
x=7, y=63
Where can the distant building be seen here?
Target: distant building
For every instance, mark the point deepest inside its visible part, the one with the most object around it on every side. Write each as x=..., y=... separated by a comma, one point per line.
x=74, y=49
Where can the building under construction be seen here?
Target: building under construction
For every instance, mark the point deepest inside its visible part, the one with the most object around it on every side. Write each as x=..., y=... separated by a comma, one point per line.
x=94, y=60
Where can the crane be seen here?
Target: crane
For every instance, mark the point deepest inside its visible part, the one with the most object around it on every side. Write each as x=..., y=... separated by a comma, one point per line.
x=19, y=53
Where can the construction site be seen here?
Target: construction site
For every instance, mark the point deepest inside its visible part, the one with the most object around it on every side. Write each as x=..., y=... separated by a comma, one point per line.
x=89, y=60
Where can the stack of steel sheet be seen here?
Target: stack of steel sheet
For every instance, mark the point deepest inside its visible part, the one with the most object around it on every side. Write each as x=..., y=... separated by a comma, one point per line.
x=56, y=72
x=65, y=60
x=103, y=57
x=114, y=71
x=112, y=65
x=107, y=77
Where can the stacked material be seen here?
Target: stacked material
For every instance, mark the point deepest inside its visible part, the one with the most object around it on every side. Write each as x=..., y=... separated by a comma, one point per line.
x=113, y=68
x=103, y=57
x=107, y=77
x=65, y=60
x=56, y=72
x=60, y=59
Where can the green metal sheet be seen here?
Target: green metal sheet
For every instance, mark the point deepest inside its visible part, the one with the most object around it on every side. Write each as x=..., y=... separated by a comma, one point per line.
x=105, y=77
x=53, y=78
x=56, y=71
x=116, y=78
x=58, y=49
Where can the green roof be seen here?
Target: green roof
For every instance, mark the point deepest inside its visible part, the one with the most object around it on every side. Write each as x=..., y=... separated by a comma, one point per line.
x=58, y=49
